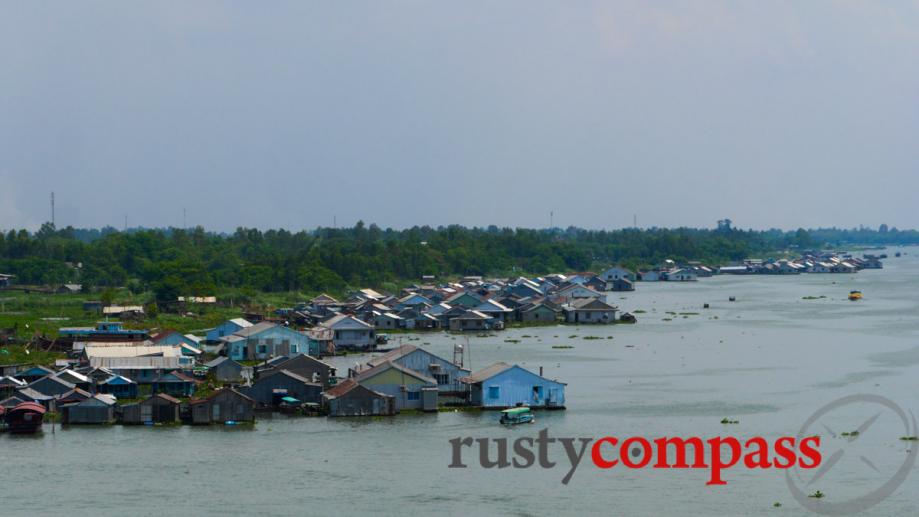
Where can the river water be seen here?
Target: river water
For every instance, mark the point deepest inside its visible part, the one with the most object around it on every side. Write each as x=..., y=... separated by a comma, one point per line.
x=768, y=360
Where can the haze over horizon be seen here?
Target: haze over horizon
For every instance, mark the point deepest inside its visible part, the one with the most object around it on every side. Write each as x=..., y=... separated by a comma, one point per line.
x=285, y=115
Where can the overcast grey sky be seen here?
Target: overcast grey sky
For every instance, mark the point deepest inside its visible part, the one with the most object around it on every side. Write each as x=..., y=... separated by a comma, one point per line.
x=285, y=114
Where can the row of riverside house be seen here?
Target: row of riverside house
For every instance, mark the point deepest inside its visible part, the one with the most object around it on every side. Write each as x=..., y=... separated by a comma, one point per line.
x=148, y=381
x=472, y=304
x=807, y=262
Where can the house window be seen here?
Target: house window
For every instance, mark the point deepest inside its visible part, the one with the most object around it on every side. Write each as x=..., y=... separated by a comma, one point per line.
x=537, y=393
x=494, y=392
x=262, y=349
x=294, y=349
x=414, y=395
x=442, y=378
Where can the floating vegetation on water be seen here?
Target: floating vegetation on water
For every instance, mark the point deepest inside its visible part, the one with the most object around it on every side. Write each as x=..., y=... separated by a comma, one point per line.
x=667, y=319
x=671, y=312
x=817, y=495
x=511, y=340
x=852, y=433
x=812, y=297
x=526, y=336
x=609, y=337
x=909, y=438
x=729, y=421
x=591, y=337
x=562, y=346
x=639, y=311
x=572, y=336
x=689, y=314
x=776, y=505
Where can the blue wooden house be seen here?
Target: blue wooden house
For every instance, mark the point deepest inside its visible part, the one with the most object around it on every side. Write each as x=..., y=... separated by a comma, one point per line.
x=227, y=328
x=444, y=372
x=120, y=387
x=189, y=344
x=265, y=340
x=174, y=383
x=503, y=386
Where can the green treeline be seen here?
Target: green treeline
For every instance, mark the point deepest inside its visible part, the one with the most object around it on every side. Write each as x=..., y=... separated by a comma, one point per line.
x=174, y=261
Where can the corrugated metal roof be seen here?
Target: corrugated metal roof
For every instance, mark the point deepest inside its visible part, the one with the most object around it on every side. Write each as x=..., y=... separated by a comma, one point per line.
x=486, y=373
x=367, y=374
x=392, y=355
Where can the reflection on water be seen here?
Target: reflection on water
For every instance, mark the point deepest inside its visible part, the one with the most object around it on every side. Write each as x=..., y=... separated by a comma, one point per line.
x=767, y=360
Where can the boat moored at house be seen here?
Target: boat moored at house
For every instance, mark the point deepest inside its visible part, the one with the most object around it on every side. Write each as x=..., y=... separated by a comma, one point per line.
x=25, y=418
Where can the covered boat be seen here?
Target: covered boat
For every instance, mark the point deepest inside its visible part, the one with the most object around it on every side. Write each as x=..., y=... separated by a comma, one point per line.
x=25, y=418
x=855, y=295
x=517, y=415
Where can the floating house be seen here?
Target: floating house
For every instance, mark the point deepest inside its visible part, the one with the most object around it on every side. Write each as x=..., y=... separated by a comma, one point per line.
x=98, y=409
x=273, y=386
x=33, y=374
x=310, y=368
x=502, y=385
x=51, y=386
x=349, y=398
x=538, y=313
x=226, y=405
x=587, y=310
x=175, y=383
x=118, y=386
x=227, y=328
x=471, y=320
x=226, y=370
x=264, y=340
x=681, y=275
x=176, y=338
x=411, y=389
x=494, y=310
x=350, y=333
x=159, y=408
x=445, y=373
x=611, y=275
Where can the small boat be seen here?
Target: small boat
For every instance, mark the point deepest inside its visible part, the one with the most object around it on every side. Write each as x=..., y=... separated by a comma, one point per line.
x=855, y=295
x=25, y=418
x=517, y=415
x=897, y=254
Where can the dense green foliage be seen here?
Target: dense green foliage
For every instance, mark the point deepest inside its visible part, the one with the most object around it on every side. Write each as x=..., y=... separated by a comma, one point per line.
x=181, y=262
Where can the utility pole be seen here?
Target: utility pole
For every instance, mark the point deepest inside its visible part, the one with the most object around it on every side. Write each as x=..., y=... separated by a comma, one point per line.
x=126, y=223
x=551, y=219
x=52, y=208
x=635, y=221
x=184, y=220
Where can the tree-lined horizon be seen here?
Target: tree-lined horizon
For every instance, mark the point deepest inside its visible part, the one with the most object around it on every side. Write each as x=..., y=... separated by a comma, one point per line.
x=197, y=262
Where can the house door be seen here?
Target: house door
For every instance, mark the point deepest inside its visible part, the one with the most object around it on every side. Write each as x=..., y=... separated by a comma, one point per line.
x=215, y=412
x=146, y=413
x=553, y=396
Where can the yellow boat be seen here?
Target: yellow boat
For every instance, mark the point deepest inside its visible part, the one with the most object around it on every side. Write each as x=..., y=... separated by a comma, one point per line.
x=855, y=295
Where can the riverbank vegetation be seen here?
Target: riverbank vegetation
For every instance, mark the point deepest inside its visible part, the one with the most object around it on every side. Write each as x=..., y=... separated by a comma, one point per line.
x=175, y=262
